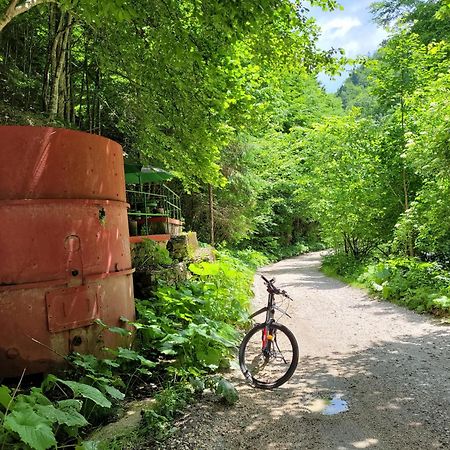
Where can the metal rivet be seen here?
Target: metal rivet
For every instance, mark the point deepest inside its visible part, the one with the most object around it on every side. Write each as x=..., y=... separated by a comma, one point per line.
x=12, y=353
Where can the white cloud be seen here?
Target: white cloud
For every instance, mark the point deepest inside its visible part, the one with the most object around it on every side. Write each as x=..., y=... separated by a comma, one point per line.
x=353, y=48
x=339, y=27
x=351, y=29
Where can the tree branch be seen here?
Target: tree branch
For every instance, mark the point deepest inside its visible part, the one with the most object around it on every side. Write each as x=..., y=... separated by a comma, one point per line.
x=14, y=9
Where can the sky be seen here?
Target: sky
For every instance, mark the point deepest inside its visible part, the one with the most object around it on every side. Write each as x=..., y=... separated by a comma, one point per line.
x=351, y=29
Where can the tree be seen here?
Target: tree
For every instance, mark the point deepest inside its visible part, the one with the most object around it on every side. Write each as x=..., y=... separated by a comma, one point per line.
x=172, y=81
x=297, y=102
x=355, y=92
x=396, y=73
x=421, y=17
x=427, y=152
x=345, y=184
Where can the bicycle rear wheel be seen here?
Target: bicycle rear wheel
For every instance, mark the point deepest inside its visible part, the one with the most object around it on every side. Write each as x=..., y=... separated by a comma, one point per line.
x=268, y=355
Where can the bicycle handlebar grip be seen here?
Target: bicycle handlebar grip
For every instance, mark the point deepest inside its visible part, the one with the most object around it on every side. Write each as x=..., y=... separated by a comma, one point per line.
x=265, y=279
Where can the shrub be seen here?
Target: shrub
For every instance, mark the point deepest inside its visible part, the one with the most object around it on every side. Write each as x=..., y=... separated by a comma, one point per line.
x=343, y=266
x=423, y=286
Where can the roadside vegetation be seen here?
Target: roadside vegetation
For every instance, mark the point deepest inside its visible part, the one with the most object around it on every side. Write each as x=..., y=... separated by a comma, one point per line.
x=183, y=336
x=379, y=175
x=410, y=282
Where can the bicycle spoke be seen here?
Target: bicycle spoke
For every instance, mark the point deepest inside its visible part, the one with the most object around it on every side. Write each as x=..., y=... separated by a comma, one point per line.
x=281, y=353
x=269, y=364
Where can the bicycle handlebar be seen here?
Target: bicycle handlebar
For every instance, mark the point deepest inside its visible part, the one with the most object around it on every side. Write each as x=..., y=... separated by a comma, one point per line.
x=272, y=288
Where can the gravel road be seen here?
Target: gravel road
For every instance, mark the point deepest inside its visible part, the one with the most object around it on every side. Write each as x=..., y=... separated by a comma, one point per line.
x=390, y=365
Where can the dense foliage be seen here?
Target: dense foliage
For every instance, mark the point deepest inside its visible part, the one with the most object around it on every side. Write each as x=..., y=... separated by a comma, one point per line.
x=224, y=94
x=376, y=177
x=368, y=176
x=226, y=97
x=183, y=336
x=170, y=80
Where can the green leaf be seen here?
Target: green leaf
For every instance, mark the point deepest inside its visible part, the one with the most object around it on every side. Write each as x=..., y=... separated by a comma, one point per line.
x=227, y=391
x=5, y=398
x=113, y=392
x=101, y=323
x=204, y=269
x=118, y=330
x=70, y=404
x=126, y=353
x=210, y=357
x=167, y=344
x=49, y=381
x=88, y=445
x=33, y=429
x=86, y=391
x=146, y=362
x=64, y=415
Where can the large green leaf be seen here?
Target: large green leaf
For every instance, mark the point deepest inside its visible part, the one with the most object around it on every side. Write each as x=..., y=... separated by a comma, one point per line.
x=86, y=391
x=227, y=391
x=70, y=404
x=5, y=398
x=113, y=392
x=168, y=343
x=204, y=268
x=32, y=428
x=118, y=330
x=126, y=353
x=64, y=415
x=210, y=357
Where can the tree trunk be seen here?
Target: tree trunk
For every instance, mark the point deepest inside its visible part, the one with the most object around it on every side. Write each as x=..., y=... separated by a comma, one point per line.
x=46, y=80
x=96, y=119
x=410, y=242
x=59, y=57
x=211, y=214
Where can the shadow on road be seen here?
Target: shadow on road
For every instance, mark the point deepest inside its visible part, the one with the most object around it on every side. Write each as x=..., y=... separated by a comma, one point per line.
x=396, y=381
x=395, y=403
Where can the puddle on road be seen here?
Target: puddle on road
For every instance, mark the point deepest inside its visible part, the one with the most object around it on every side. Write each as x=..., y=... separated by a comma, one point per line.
x=328, y=407
x=335, y=406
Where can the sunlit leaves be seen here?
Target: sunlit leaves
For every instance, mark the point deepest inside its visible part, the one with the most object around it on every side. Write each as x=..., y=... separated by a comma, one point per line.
x=86, y=391
x=345, y=183
x=32, y=428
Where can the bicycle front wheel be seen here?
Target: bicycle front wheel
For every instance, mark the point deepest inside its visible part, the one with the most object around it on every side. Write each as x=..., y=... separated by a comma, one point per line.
x=268, y=355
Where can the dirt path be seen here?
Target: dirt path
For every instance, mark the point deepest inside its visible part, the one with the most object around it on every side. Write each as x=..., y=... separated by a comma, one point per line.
x=391, y=365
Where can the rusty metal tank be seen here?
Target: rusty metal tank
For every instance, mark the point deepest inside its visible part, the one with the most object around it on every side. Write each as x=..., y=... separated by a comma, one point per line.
x=64, y=247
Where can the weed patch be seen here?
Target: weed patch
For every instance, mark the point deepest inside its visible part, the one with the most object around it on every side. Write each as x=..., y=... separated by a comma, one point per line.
x=418, y=285
x=183, y=336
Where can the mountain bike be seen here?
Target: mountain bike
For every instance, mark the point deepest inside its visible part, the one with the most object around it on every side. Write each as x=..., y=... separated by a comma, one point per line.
x=268, y=354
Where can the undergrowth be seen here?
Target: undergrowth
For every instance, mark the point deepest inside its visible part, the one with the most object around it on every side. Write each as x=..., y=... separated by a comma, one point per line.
x=418, y=285
x=183, y=336
x=422, y=286
x=271, y=250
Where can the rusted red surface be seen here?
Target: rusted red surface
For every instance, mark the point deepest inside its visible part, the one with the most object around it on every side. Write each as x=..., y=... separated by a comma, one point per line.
x=153, y=237
x=64, y=246
x=41, y=162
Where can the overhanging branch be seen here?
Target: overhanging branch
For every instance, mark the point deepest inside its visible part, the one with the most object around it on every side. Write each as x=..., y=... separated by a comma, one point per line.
x=16, y=8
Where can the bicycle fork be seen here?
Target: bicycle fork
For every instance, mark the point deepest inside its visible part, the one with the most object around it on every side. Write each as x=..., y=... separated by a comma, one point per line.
x=269, y=340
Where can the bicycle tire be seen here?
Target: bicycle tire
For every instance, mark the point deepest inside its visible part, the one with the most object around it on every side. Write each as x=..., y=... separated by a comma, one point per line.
x=275, y=372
